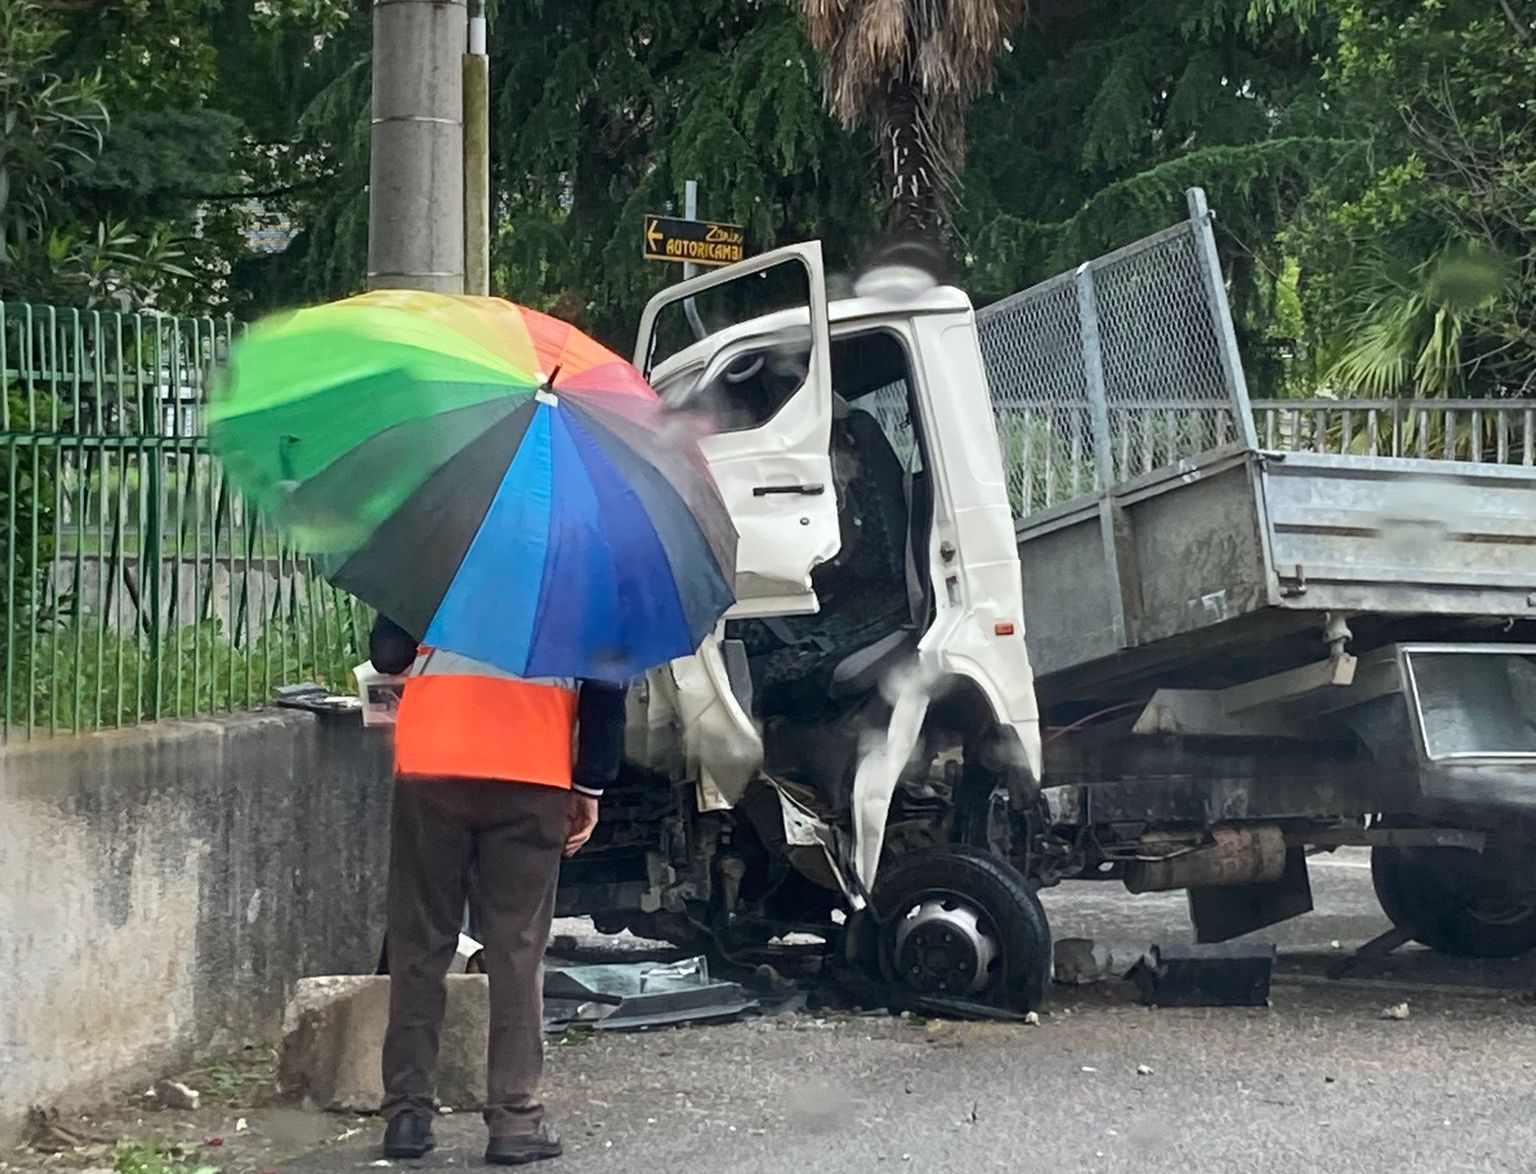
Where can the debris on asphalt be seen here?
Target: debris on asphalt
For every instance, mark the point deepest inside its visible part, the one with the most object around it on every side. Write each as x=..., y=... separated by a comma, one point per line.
x=1226, y=974
x=1398, y=1011
x=632, y=996
x=173, y=1094
x=1081, y=961
x=1032, y=1019
x=1143, y=1070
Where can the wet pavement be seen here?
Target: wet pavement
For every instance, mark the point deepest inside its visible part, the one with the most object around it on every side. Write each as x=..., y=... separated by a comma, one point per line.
x=1317, y=1081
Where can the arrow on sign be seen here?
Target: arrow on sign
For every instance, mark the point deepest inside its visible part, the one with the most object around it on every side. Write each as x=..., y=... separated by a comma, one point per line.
x=653, y=233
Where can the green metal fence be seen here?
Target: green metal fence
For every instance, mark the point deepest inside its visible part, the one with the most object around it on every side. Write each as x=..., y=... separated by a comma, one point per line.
x=137, y=585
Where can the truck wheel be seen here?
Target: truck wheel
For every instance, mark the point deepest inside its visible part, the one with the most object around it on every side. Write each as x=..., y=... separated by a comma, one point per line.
x=1453, y=901
x=957, y=928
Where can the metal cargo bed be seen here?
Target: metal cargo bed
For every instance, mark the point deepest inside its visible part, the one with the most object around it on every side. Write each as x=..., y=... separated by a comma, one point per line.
x=1236, y=550
x=1160, y=545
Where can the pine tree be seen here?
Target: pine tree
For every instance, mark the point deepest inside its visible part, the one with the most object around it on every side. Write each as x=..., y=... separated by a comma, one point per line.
x=1105, y=112
x=605, y=107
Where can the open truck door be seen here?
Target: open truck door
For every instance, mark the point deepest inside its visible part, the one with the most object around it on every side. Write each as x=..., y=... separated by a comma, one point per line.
x=766, y=383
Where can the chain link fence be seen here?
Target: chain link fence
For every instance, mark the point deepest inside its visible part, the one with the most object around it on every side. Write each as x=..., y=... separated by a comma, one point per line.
x=137, y=585
x=1124, y=365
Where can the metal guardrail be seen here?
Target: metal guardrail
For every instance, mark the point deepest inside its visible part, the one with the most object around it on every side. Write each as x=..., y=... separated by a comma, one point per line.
x=137, y=585
x=1116, y=368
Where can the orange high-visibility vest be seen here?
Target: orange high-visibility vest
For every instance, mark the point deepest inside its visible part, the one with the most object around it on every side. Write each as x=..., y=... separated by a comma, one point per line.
x=461, y=718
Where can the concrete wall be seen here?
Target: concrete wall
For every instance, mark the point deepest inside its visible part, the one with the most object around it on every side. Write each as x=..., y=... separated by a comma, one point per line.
x=162, y=888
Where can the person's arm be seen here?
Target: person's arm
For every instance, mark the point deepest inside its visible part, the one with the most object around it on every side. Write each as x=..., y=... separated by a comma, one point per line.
x=390, y=647
x=599, y=736
x=599, y=753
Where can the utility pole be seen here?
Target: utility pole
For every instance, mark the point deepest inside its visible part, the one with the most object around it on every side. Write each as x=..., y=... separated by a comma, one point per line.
x=416, y=172
x=477, y=157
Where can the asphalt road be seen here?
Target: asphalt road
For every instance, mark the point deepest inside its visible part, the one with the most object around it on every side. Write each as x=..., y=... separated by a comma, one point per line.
x=1318, y=1081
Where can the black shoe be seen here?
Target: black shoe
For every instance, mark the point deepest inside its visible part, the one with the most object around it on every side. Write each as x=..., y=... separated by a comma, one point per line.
x=408, y=1135
x=528, y=1147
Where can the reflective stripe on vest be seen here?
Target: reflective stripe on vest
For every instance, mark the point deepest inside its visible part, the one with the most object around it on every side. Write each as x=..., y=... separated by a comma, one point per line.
x=461, y=718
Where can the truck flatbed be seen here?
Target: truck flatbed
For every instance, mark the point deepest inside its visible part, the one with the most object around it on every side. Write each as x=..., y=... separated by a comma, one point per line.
x=1233, y=552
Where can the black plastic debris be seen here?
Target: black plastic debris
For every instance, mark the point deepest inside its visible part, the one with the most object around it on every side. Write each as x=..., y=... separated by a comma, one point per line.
x=631, y=996
x=1224, y=974
x=313, y=698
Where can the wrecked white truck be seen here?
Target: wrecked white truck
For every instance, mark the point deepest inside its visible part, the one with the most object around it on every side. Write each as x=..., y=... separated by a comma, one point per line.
x=1023, y=598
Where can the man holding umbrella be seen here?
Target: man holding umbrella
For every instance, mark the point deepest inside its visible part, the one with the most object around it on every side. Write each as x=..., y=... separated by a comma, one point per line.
x=538, y=530
x=486, y=778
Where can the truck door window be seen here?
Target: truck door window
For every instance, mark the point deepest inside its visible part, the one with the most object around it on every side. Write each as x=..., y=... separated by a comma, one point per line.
x=748, y=390
x=755, y=382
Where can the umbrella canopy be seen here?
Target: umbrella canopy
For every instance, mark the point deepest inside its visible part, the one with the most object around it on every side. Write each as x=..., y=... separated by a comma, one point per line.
x=487, y=476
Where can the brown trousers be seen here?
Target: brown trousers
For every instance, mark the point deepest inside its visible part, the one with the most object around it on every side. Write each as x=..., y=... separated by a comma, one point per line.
x=513, y=834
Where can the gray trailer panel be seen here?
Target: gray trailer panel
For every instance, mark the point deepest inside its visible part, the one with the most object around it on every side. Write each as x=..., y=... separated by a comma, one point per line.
x=1265, y=543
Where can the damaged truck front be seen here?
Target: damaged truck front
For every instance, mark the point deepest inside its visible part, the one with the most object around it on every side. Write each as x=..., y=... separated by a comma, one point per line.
x=1231, y=672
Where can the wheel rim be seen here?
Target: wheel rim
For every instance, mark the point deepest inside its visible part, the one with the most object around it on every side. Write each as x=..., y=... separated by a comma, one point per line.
x=944, y=945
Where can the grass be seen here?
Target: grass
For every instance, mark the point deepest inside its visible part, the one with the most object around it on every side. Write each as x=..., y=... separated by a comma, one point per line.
x=79, y=676
x=239, y=1081
x=144, y=1157
x=575, y=1035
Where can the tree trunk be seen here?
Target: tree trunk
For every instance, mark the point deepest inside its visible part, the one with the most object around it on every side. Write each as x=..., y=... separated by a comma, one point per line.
x=911, y=182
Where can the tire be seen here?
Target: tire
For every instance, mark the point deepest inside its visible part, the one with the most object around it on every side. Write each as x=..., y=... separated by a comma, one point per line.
x=974, y=885
x=1453, y=901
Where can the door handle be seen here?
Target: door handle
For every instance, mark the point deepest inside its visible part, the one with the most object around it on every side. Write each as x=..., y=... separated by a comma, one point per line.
x=813, y=490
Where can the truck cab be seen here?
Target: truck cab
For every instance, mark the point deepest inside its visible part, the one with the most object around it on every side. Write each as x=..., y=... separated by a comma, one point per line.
x=868, y=699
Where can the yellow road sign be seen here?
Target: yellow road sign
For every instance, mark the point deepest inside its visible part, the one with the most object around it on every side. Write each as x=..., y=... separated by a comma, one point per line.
x=703, y=242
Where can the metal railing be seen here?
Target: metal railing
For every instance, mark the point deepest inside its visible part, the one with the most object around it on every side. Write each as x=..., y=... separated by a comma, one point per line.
x=1125, y=364
x=1499, y=432
x=137, y=585
x=1129, y=363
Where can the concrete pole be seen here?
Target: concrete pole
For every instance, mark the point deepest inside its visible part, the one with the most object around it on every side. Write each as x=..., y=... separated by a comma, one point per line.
x=477, y=158
x=416, y=173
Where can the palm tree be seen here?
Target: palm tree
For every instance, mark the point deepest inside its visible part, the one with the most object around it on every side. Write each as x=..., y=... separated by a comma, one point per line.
x=908, y=69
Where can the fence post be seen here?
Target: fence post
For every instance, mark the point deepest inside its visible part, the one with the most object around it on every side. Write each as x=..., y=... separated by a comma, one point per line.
x=1200, y=219
x=1113, y=529
x=1093, y=374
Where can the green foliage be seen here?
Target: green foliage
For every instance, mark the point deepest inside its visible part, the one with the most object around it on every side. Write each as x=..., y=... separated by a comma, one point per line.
x=1422, y=268
x=317, y=168
x=76, y=676
x=28, y=507
x=139, y=138
x=604, y=109
x=1104, y=114
x=137, y=1157
x=49, y=124
x=246, y=1079
x=1371, y=161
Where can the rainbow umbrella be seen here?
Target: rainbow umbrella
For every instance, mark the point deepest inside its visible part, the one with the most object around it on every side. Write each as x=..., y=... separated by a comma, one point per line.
x=490, y=478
